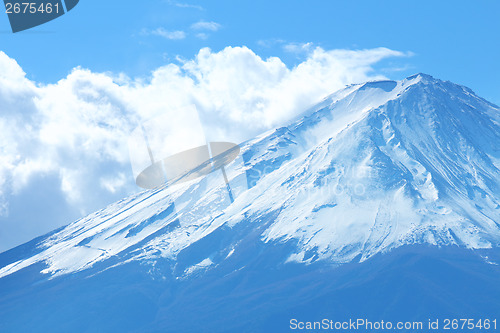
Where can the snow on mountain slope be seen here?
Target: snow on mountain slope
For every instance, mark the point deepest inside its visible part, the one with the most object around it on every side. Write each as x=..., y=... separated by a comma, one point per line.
x=373, y=167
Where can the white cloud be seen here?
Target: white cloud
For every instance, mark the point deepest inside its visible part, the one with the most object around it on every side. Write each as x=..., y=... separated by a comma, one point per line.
x=173, y=35
x=185, y=5
x=202, y=35
x=113, y=184
x=298, y=47
x=267, y=43
x=73, y=134
x=204, y=25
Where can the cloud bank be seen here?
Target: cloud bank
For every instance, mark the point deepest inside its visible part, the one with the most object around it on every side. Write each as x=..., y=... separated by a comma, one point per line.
x=63, y=146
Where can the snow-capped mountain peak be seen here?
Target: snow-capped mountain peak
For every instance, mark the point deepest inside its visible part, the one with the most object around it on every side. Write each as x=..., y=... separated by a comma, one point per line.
x=373, y=167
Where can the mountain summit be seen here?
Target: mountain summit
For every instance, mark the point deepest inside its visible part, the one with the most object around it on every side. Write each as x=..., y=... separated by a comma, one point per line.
x=373, y=170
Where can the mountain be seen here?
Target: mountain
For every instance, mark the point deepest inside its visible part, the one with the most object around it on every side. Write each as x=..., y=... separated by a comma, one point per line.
x=380, y=202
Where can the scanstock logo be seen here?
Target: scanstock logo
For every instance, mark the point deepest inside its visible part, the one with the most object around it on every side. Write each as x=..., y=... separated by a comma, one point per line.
x=26, y=14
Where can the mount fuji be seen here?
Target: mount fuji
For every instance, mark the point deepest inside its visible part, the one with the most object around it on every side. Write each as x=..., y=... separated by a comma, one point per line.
x=381, y=202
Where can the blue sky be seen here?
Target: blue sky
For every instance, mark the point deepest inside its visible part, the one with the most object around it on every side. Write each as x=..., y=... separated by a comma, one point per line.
x=452, y=40
x=72, y=90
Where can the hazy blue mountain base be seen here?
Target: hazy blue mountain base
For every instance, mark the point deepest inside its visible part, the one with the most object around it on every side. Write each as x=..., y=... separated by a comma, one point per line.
x=381, y=203
x=415, y=283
